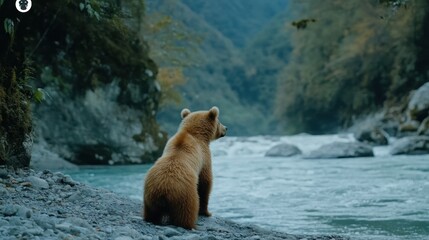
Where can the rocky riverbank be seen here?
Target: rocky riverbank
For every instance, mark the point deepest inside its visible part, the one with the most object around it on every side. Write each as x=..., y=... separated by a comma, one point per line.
x=46, y=205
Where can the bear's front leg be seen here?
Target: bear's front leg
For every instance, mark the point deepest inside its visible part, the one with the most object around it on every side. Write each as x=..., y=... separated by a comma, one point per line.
x=204, y=187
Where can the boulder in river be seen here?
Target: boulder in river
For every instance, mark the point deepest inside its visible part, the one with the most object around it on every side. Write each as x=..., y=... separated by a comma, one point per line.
x=424, y=127
x=372, y=135
x=411, y=146
x=342, y=150
x=408, y=128
x=283, y=150
x=418, y=106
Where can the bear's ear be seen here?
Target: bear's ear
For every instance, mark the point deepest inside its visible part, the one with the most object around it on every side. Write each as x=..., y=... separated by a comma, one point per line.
x=185, y=112
x=214, y=112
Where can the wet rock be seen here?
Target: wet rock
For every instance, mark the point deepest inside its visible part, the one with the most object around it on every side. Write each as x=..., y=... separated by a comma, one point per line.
x=342, y=150
x=169, y=232
x=3, y=190
x=283, y=150
x=372, y=135
x=45, y=222
x=3, y=173
x=68, y=180
x=38, y=182
x=411, y=146
x=43, y=158
x=408, y=128
x=188, y=237
x=100, y=129
x=9, y=210
x=127, y=232
x=418, y=106
x=424, y=127
x=124, y=238
x=24, y=212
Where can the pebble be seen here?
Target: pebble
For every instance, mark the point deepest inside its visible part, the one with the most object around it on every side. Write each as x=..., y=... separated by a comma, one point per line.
x=169, y=232
x=9, y=210
x=55, y=206
x=124, y=238
x=3, y=173
x=38, y=182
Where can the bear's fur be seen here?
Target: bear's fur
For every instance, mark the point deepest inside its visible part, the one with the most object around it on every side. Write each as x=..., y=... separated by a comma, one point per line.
x=178, y=185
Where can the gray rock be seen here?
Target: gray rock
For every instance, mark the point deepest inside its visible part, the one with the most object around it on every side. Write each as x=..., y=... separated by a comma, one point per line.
x=34, y=231
x=3, y=190
x=3, y=222
x=283, y=150
x=418, y=106
x=170, y=232
x=411, y=145
x=64, y=227
x=256, y=237
x=127, y=231
x=124, y=238
x=24, y=212
x=100, y=130
x=424, y=127
x=188, y=237
x=410, y=127
x=9, y=209
x=78, y=222
x=372, y=135
x=45, y=221
x=38, y=182
x=3, y=173
x=43, y=158
x=68, y=180
x=342, y=150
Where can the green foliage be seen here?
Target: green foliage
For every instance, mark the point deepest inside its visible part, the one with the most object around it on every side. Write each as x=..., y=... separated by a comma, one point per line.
x=39, y=95
x=88, y=7
x=218, y=67
x=15, y=120
x=351, y=62
x=9, y=26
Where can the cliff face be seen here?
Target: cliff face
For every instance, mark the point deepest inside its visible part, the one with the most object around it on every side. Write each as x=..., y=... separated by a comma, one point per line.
x=89, y=68
x=102, y=90
x=95, y=128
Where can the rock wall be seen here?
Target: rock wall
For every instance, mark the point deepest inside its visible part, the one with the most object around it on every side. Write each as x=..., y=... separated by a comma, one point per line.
x=409, y=119
x=93, y=128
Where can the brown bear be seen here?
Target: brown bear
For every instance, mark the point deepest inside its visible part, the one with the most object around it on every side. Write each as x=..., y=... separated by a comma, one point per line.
x=178, y=185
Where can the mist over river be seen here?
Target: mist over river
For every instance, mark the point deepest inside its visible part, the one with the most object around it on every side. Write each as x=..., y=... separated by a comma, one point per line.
x=381, y=197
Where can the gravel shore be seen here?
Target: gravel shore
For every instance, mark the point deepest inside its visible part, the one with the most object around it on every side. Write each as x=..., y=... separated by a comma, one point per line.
x=46, y=205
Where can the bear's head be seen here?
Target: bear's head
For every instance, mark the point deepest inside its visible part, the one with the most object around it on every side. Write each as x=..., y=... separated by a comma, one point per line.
x=204, y=124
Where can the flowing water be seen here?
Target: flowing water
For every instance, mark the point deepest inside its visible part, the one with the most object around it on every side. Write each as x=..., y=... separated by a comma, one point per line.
x=382, y=197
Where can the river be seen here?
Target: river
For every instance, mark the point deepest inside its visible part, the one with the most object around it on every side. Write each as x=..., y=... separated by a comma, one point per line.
x=381, y=197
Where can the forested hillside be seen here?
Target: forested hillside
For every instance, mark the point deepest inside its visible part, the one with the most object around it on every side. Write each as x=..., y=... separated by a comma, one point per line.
x=214, y=70
x=240, y=20
x=306, y=66
x=358, y=57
